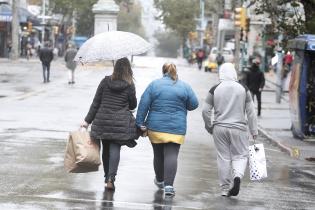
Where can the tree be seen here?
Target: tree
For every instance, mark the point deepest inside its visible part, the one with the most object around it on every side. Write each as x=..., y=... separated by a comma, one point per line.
x=129, y=18
x=178, y=15
x=286, y=16
x=309, y=7
x=168, y=44
x=84, y=14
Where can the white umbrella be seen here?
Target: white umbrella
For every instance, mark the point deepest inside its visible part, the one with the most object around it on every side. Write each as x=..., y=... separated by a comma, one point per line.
x=111, y=45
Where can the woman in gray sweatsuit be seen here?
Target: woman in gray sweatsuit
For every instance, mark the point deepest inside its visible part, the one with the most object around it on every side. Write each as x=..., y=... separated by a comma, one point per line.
x=231, y=102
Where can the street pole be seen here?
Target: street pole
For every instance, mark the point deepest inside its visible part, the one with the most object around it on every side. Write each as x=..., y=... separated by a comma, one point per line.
x=15, y=30
x=237, y=49
x=237, y=44
x=279, y=69
x=202, y=16
x=43, y=20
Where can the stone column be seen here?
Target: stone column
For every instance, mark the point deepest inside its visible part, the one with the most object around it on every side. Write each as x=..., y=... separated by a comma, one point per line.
x=105, y=18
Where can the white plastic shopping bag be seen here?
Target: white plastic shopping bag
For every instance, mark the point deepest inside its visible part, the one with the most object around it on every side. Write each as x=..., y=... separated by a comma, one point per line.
x=257, y=162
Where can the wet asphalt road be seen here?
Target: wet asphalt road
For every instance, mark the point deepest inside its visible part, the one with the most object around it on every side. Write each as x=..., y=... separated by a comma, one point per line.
x=34, y=125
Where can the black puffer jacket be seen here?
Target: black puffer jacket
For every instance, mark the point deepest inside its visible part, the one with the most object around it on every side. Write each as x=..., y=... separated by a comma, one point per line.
x=255, y=79
x=110, y=112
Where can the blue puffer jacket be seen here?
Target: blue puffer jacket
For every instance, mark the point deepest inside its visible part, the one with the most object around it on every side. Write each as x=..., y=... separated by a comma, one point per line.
x=164, y=104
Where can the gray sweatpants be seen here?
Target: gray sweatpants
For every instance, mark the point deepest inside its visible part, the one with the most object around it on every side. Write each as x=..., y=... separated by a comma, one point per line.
x=232, y=153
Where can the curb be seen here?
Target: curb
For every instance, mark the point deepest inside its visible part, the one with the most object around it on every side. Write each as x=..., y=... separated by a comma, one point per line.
x=288, y=150
x=307, y=173
x=283, y=147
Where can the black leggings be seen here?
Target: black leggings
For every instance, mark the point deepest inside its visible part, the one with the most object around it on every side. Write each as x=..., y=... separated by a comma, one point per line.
x=111, y=158
x=258, y=96
x=165, y=162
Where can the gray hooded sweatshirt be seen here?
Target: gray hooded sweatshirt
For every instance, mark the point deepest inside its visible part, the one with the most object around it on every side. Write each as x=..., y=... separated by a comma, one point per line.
x=231, y=102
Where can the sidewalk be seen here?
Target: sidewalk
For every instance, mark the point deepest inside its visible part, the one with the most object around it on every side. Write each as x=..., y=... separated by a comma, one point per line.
x=275, y=123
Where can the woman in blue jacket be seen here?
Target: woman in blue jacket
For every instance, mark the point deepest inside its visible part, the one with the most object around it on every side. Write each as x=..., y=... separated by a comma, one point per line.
x=163, y=111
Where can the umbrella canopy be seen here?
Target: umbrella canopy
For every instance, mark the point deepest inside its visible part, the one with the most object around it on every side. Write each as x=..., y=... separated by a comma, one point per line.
x=111, y=45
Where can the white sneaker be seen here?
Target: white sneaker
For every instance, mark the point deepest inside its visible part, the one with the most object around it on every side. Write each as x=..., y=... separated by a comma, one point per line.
x=169, y=191
x=224, y=192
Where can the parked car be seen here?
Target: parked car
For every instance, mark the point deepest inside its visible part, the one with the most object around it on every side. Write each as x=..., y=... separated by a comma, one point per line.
x=211, y=64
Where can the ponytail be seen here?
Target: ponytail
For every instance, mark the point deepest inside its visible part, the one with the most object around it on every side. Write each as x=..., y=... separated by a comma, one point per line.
x=170, y=69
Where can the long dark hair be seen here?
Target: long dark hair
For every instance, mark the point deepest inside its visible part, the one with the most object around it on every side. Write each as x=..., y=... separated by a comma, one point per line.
x=123, y=71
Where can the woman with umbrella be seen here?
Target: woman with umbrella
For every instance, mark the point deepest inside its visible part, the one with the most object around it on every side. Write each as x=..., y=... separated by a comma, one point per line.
x=112, y=121
x=163, y=110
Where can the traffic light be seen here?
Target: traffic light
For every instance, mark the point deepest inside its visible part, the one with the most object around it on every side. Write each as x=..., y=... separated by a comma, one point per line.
x=247, y=25
x=240, y=17
x=192, y=35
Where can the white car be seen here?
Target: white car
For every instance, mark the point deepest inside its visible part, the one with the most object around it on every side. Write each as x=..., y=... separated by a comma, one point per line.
x=227, y=53
x=213, y=54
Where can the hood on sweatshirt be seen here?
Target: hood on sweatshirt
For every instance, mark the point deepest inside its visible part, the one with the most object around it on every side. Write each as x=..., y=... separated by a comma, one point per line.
x=227, y=72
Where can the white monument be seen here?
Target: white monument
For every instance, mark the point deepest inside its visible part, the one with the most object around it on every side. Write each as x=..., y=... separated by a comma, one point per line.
x=106, y=12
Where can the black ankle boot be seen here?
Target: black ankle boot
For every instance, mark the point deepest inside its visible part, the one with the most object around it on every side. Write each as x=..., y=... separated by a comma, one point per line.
x=236, y=187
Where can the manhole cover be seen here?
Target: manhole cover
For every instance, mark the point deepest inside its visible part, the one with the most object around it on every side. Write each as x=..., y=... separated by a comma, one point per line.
x=2, y=96
x=4, y=81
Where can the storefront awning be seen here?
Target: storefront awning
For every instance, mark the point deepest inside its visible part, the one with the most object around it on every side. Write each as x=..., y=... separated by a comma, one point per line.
x=24, y=14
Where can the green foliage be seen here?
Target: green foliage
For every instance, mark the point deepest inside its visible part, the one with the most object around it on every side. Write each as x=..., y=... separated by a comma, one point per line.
x=178, y=15
x=309, y=7
x=168, y=44
x=288, y=22
x=129, y=19
x=84, y=14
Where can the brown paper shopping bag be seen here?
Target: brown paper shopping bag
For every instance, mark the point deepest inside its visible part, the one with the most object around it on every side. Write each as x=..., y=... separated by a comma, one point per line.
x=82, y=153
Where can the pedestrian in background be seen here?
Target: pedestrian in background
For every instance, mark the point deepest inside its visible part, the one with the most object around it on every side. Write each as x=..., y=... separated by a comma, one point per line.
x=46, y=56
x=112, y=121
x=163, y=111
x=288, y=59
x=200, y=56
x=231, y=102
x=219, y=59
x=256, y=81
x=70, y=63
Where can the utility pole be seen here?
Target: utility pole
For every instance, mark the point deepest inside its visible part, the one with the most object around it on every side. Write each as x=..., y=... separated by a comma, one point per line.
x=279, y=68
x=202, y=17
x=237, y=42
x=43, y=20
x=15, y=30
